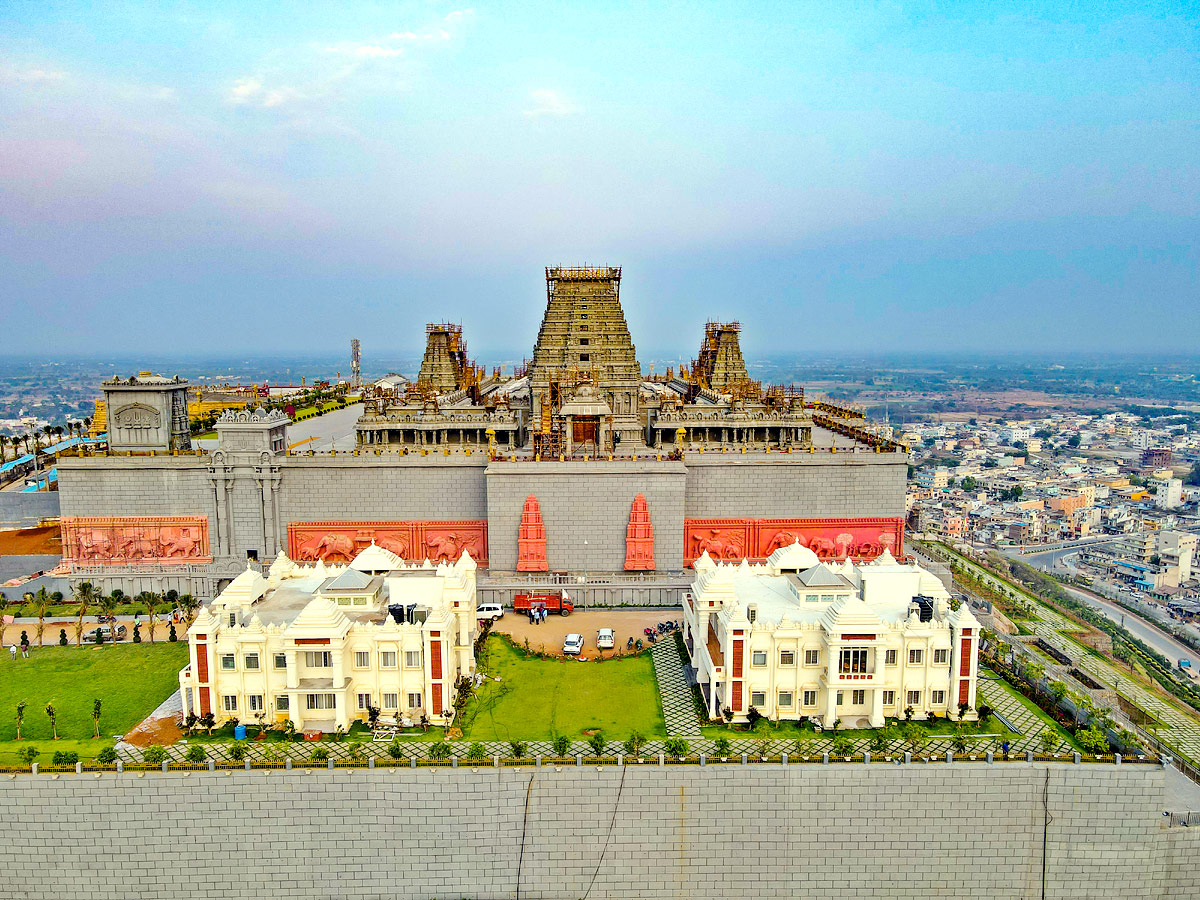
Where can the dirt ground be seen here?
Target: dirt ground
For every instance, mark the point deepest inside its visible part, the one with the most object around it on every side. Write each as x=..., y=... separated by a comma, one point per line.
x=550, y=635
x=31, y=541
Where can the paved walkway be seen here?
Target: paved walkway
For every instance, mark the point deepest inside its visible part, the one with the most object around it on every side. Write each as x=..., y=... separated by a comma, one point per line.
x=678, y=709
x=996, y=694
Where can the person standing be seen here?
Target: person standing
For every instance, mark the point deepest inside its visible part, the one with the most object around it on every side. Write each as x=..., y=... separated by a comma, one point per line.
x=12, y=649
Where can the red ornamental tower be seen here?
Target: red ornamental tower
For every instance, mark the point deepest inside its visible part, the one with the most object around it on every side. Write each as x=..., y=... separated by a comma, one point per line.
x=639, y=537
x=531, y=540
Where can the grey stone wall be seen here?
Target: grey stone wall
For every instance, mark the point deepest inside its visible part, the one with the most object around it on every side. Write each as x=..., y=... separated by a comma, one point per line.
x=585, y=508
x=20, y=510
x=135, y=486
x=764, y=831
x=796, y=485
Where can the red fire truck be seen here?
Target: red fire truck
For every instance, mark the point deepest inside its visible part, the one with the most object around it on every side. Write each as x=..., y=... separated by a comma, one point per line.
x=551, y=601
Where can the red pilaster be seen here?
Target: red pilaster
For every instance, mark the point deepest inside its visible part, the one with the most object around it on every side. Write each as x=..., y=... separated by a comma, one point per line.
x=639, y=537
x=531, y=540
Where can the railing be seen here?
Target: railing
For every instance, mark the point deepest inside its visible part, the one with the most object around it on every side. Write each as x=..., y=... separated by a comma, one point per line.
x=1184, y=819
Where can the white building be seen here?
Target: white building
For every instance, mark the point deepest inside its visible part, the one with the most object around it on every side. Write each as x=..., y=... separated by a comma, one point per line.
x=1170, y=494
x=796, y=638
x=320, y=645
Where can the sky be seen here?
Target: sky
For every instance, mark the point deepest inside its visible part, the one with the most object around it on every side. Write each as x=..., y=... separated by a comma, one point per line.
x=258, y=178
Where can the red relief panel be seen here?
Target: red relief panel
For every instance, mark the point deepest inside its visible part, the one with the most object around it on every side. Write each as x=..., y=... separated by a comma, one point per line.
x=736, y=705
x=531, y=538
x=964, y=657
x=858, y=637
x=737, y=659
x=639, y=538
x=435, y=659
x=437, y=699
x=964, y=692
x=202, y=663
x=301, y=642
x=756, y=539
x=131, y=540
x=437, y=541
x=205, y=702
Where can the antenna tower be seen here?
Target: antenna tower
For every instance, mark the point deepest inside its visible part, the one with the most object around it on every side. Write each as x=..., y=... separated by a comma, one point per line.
x=355, y=363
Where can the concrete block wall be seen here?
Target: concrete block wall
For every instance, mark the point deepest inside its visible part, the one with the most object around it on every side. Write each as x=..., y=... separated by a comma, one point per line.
x=585, y=508
x=135, y=486
x=20, y=510
x=728, y=831
x=846, y=485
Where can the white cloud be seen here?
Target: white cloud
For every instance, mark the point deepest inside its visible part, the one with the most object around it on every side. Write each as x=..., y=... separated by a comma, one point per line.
x=252, y=92
x=245, y=90
x=547, y=102
x=32, y=75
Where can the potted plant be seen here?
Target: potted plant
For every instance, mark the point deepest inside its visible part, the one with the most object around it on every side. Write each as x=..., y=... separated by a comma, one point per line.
x=597, y=743
x=561, y=746
x=634, y=746
x=518, y=749
x=676, y=747
x=721, y=748
x=439, y=751
x=764, y=749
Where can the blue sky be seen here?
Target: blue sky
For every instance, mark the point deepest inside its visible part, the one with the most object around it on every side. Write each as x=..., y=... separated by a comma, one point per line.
x=876, y=177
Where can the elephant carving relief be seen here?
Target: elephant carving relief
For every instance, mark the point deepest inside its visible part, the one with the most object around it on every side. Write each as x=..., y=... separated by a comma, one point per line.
x=450, y=546
x=411, y=541
x=394, y=543
x=718, y=544
x=756, y=539
x=329, y=548
x=131, y=540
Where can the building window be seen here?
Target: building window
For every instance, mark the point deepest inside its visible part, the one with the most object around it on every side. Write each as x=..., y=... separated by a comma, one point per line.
x=827, y=598
x=414, y=701
x=230, y=701
x=387, y=659
x=853, y=661
x=252, y=661
x=937, y=698
x=914, y=657
x=785, y=698
x=889, y=698
x=812, y=598
x=412, y=659
x=889, y=658
x=787, y=657
x=585, y=357
x=812, y=657
x=281, y=660
x=364, y=700
x=758, y=698
x=810, y=698
x=914, y=698
x=228, y=662
x=758, y=658
x=254, y=703
x=751, y=613
x=362, y=659
x=318, y=659
x=841, y=697
x=858, y=698
x=320, y=701
x=232, y=620
x=282, y=703
x=583, y=315
x=941, y=657
x=583, y=328
x=391, y=701
x=583, y=342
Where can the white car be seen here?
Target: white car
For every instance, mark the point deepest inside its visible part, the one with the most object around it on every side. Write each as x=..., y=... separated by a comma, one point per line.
x=606, y=639
x=489, y=611
x=573, y=644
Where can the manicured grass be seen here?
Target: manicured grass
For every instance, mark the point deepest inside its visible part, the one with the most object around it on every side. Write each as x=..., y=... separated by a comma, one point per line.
x=129, y=679
x=540, y=699
x=788, y=730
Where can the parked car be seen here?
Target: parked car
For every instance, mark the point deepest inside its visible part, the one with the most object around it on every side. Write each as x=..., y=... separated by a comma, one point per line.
x=573, y=645
x=489, y=611
x=606, y=639
x=111, y=633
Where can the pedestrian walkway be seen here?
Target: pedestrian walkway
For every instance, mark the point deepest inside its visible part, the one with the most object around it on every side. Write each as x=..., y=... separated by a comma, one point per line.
x=679, y=711
x=996, y=694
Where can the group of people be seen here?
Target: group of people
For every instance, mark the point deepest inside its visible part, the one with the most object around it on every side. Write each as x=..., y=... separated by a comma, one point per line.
x=24, y=650
x=537, y=615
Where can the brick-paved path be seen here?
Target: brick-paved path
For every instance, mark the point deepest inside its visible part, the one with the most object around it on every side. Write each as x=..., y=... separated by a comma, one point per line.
x=679, y=711
x=996, y=694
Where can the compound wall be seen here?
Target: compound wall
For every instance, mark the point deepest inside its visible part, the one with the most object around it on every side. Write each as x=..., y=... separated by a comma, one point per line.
x=920, y=832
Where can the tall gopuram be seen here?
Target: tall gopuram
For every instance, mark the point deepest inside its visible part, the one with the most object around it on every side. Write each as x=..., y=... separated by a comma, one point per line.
x=445, y=366
x=584, y=341
x=719, y=365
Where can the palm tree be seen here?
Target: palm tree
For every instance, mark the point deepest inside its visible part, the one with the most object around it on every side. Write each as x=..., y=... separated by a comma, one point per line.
x=190, y=606
x=52, y=714
x=3, y=606
x=86, y=596
x=150, y=600
x=42, y=602
x=20, y=717
x=96, y=717
x=3, y=442
x=108, y=605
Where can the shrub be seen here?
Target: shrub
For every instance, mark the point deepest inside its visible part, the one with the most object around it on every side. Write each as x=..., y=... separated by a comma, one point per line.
x=196, y=754
x=752, y=717
x=633, y=746
x=476, y=752
x=62, y=637
x=561, y=745
x=64, y=758
x=28, y=754
x=319, y=754
x=842, y=745
x=237, y=751
x=107, y=756
x=597, y=742
x=395, y=751
x=984, y=711
x=137, y=633
x=764, y=748
x=172, y=637
x=154, y=755
x=356, y=750
x=1048, y=741
x=721, y=746
x=439, y=750
x=1092, y=740
x=675, y=747
x=518, y=749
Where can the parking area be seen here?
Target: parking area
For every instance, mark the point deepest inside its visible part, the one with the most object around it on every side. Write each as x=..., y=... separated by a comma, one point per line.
x=549, y=635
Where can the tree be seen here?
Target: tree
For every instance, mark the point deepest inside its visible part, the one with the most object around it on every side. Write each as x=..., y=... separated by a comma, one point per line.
x=86, y=596
x=41, y=605
x=108, y=605
x=1048, y=741
x=969, y=484
x=190, y=606
x=52, y=715
x=3, y=607
x=1073, y=441
x=1193, y=477
x=150, y=600
x=20, y=717
x=28, y=754
x=96, y=717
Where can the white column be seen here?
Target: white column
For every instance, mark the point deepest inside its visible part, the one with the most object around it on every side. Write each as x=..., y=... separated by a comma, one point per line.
x=877, y=707
x=830, y=707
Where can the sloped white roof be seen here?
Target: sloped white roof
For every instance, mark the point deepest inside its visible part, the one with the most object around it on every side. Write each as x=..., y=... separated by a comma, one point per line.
x=794, y=556
x=376, y=559
x=320, y=618
x=245, y=589
x=350, y=580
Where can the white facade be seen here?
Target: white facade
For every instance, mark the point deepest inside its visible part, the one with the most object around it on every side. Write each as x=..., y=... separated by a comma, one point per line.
x=1170, y=494
x=798, y=638
x=320, y=644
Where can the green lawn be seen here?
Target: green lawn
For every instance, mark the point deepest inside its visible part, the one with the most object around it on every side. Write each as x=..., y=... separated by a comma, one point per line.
x=129, y=679
x=540, y=699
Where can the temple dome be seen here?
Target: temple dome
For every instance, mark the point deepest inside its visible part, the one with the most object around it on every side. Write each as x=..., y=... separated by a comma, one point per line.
x=793, y=558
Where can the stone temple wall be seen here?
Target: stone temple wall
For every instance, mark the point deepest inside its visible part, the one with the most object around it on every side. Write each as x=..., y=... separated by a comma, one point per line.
x=726, y=831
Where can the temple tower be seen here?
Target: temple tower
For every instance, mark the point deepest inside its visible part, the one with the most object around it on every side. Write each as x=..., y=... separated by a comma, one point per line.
x=720, y=362
x=444, y=367
x=584, y=339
